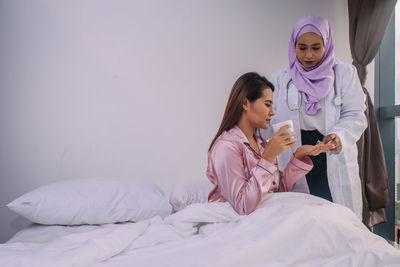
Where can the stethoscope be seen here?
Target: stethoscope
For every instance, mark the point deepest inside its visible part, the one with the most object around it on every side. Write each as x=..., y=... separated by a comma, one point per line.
x=337, y=100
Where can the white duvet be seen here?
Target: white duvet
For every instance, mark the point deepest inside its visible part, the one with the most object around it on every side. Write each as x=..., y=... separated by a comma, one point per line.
x=288, y=229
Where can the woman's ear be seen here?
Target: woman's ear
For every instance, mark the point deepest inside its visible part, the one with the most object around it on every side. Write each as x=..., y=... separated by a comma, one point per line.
x=245, y=105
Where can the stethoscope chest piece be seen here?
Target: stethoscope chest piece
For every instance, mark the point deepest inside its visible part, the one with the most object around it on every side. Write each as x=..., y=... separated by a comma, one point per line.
x=337, y=101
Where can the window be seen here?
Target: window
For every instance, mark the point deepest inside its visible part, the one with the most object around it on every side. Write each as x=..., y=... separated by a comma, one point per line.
x=397, y=127
x=387, y=107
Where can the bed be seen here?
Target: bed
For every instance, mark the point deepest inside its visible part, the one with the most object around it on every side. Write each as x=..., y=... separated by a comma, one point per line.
x=287, y=229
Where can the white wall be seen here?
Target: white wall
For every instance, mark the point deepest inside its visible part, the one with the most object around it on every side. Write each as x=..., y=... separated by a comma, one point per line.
x=129, y=88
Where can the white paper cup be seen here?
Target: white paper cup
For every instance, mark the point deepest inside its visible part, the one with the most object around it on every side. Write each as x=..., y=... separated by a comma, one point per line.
x=277, y=126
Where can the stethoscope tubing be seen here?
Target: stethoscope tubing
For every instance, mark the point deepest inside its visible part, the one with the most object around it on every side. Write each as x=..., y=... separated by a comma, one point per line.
x=337, y=100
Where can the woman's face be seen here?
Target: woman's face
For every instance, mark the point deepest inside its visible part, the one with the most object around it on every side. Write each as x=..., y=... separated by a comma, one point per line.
x=259, y=112
x=310, y=49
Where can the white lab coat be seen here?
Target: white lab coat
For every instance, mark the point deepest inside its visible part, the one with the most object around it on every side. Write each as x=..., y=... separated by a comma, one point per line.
x=346, y=120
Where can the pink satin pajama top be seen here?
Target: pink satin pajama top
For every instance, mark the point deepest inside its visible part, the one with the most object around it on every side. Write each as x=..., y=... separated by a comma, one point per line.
x=242, y=177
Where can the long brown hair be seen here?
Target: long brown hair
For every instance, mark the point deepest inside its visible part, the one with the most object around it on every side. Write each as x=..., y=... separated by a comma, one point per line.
x=249, y=86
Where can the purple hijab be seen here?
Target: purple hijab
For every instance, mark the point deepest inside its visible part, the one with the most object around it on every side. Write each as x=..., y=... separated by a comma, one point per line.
x=314, y=83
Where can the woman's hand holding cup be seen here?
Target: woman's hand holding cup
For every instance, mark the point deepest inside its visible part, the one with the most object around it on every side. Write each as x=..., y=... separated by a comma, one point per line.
x=279, y=142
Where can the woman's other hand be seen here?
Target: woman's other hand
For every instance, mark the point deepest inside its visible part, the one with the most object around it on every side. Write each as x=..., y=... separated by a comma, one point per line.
x=309, y=150
x=279, y=142
x=334, y=141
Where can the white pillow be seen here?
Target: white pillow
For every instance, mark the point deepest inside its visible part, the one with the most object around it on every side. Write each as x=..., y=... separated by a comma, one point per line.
x=92, y=201
x=189, y=192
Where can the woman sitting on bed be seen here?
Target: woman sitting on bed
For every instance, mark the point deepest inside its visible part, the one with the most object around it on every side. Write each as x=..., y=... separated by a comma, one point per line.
x=241, y=164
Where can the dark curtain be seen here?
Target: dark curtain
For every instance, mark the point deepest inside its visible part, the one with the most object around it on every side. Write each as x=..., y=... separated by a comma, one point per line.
x=368, y=20
x=373, y=172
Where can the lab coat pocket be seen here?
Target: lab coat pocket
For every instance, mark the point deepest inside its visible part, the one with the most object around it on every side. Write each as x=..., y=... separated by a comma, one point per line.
x=350, y=181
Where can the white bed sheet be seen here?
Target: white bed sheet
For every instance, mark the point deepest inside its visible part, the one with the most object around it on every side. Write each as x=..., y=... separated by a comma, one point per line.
x=288, y=229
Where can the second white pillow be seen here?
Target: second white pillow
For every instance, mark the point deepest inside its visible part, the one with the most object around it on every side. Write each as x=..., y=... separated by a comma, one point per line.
x=189, y=192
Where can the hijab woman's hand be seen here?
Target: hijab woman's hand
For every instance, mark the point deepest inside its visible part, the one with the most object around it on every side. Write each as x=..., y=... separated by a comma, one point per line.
x=278, y=143
x=334, y=141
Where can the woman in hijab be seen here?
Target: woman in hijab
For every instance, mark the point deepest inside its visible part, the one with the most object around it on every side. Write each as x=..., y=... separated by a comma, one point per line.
x=324, y=99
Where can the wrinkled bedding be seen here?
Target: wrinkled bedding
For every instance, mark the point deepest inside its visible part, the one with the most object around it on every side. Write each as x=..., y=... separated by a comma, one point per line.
x=287, y=229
